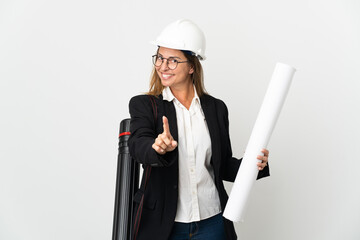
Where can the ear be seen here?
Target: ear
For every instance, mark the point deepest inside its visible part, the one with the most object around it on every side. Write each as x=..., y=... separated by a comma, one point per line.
x=191, y=71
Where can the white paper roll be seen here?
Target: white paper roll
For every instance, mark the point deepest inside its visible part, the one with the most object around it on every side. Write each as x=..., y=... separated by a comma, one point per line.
x=260, y=136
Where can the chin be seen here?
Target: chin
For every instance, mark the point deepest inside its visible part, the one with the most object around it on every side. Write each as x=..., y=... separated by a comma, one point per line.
x=166, y=83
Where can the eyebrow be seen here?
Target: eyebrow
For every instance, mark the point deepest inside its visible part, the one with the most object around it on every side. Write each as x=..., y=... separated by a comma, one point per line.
x=170, y=56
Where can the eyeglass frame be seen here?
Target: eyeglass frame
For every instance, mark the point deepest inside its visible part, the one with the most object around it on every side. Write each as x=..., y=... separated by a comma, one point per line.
x=155, y=57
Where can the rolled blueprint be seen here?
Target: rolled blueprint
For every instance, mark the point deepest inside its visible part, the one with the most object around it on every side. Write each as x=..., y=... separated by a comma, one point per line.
x=260, y=136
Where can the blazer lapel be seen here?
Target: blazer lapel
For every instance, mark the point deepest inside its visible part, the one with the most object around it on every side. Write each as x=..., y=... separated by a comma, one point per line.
x=209, y=109
x=170, y=113
x=172, y=172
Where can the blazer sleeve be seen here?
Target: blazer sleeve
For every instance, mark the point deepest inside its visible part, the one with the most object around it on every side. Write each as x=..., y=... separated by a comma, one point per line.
x=232, y=164
x=143, y=133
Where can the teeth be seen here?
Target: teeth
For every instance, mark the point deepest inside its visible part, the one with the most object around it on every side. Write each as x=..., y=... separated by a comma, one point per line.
x=166, y=75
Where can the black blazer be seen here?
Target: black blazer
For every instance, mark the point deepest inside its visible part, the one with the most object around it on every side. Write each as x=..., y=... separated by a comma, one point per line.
x=161, y=193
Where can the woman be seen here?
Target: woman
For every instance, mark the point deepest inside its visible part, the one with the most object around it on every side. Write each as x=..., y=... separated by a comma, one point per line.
x=183, y=134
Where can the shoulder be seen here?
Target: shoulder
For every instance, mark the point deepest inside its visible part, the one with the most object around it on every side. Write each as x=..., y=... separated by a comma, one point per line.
x=139, y=105
x=143, y=99
x=208, y=99
x=138, y=99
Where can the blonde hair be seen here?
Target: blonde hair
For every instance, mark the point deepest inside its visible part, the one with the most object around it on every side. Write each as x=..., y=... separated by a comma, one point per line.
x=197, y=77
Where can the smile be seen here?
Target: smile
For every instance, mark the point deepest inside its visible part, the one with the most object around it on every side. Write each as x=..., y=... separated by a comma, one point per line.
x=166, y=76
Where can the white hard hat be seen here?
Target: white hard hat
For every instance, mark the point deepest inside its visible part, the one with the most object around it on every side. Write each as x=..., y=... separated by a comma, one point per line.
x=183, y=35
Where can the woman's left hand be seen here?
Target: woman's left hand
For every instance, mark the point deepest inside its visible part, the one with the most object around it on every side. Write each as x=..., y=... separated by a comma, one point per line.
x=265, y=158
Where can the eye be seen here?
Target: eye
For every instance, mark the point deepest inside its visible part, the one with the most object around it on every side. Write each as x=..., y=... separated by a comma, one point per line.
x=172, y=60
x=160, y=58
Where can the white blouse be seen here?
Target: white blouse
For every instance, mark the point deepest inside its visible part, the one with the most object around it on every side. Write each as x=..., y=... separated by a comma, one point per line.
x=198, y=197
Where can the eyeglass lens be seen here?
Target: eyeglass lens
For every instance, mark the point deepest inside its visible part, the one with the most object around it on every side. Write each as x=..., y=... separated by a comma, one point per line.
x=171, y=62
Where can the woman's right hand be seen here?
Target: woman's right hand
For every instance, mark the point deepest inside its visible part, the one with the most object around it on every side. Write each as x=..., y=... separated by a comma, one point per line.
x=164, y=142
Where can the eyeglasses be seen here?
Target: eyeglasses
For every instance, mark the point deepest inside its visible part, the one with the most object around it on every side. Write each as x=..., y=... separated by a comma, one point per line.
x=171, y=62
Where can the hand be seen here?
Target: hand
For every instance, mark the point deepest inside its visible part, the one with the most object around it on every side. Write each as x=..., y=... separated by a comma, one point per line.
x=164, y=142
x=263, y=164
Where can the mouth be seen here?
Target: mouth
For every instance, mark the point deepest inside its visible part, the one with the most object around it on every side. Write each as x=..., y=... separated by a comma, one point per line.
x=166, y=76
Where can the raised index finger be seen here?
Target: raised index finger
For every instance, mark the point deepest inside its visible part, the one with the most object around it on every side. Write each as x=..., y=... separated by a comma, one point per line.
x=166, y=126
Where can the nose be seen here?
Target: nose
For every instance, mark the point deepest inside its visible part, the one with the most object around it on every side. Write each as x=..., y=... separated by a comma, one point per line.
x=164, y=66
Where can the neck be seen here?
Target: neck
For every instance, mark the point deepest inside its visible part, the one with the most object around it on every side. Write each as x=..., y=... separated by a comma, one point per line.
x=185, y=94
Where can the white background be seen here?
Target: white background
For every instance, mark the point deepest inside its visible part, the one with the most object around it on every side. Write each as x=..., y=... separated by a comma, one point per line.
x=69, y=68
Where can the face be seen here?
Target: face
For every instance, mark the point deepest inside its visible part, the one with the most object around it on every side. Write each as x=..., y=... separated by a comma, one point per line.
x=180, y=76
